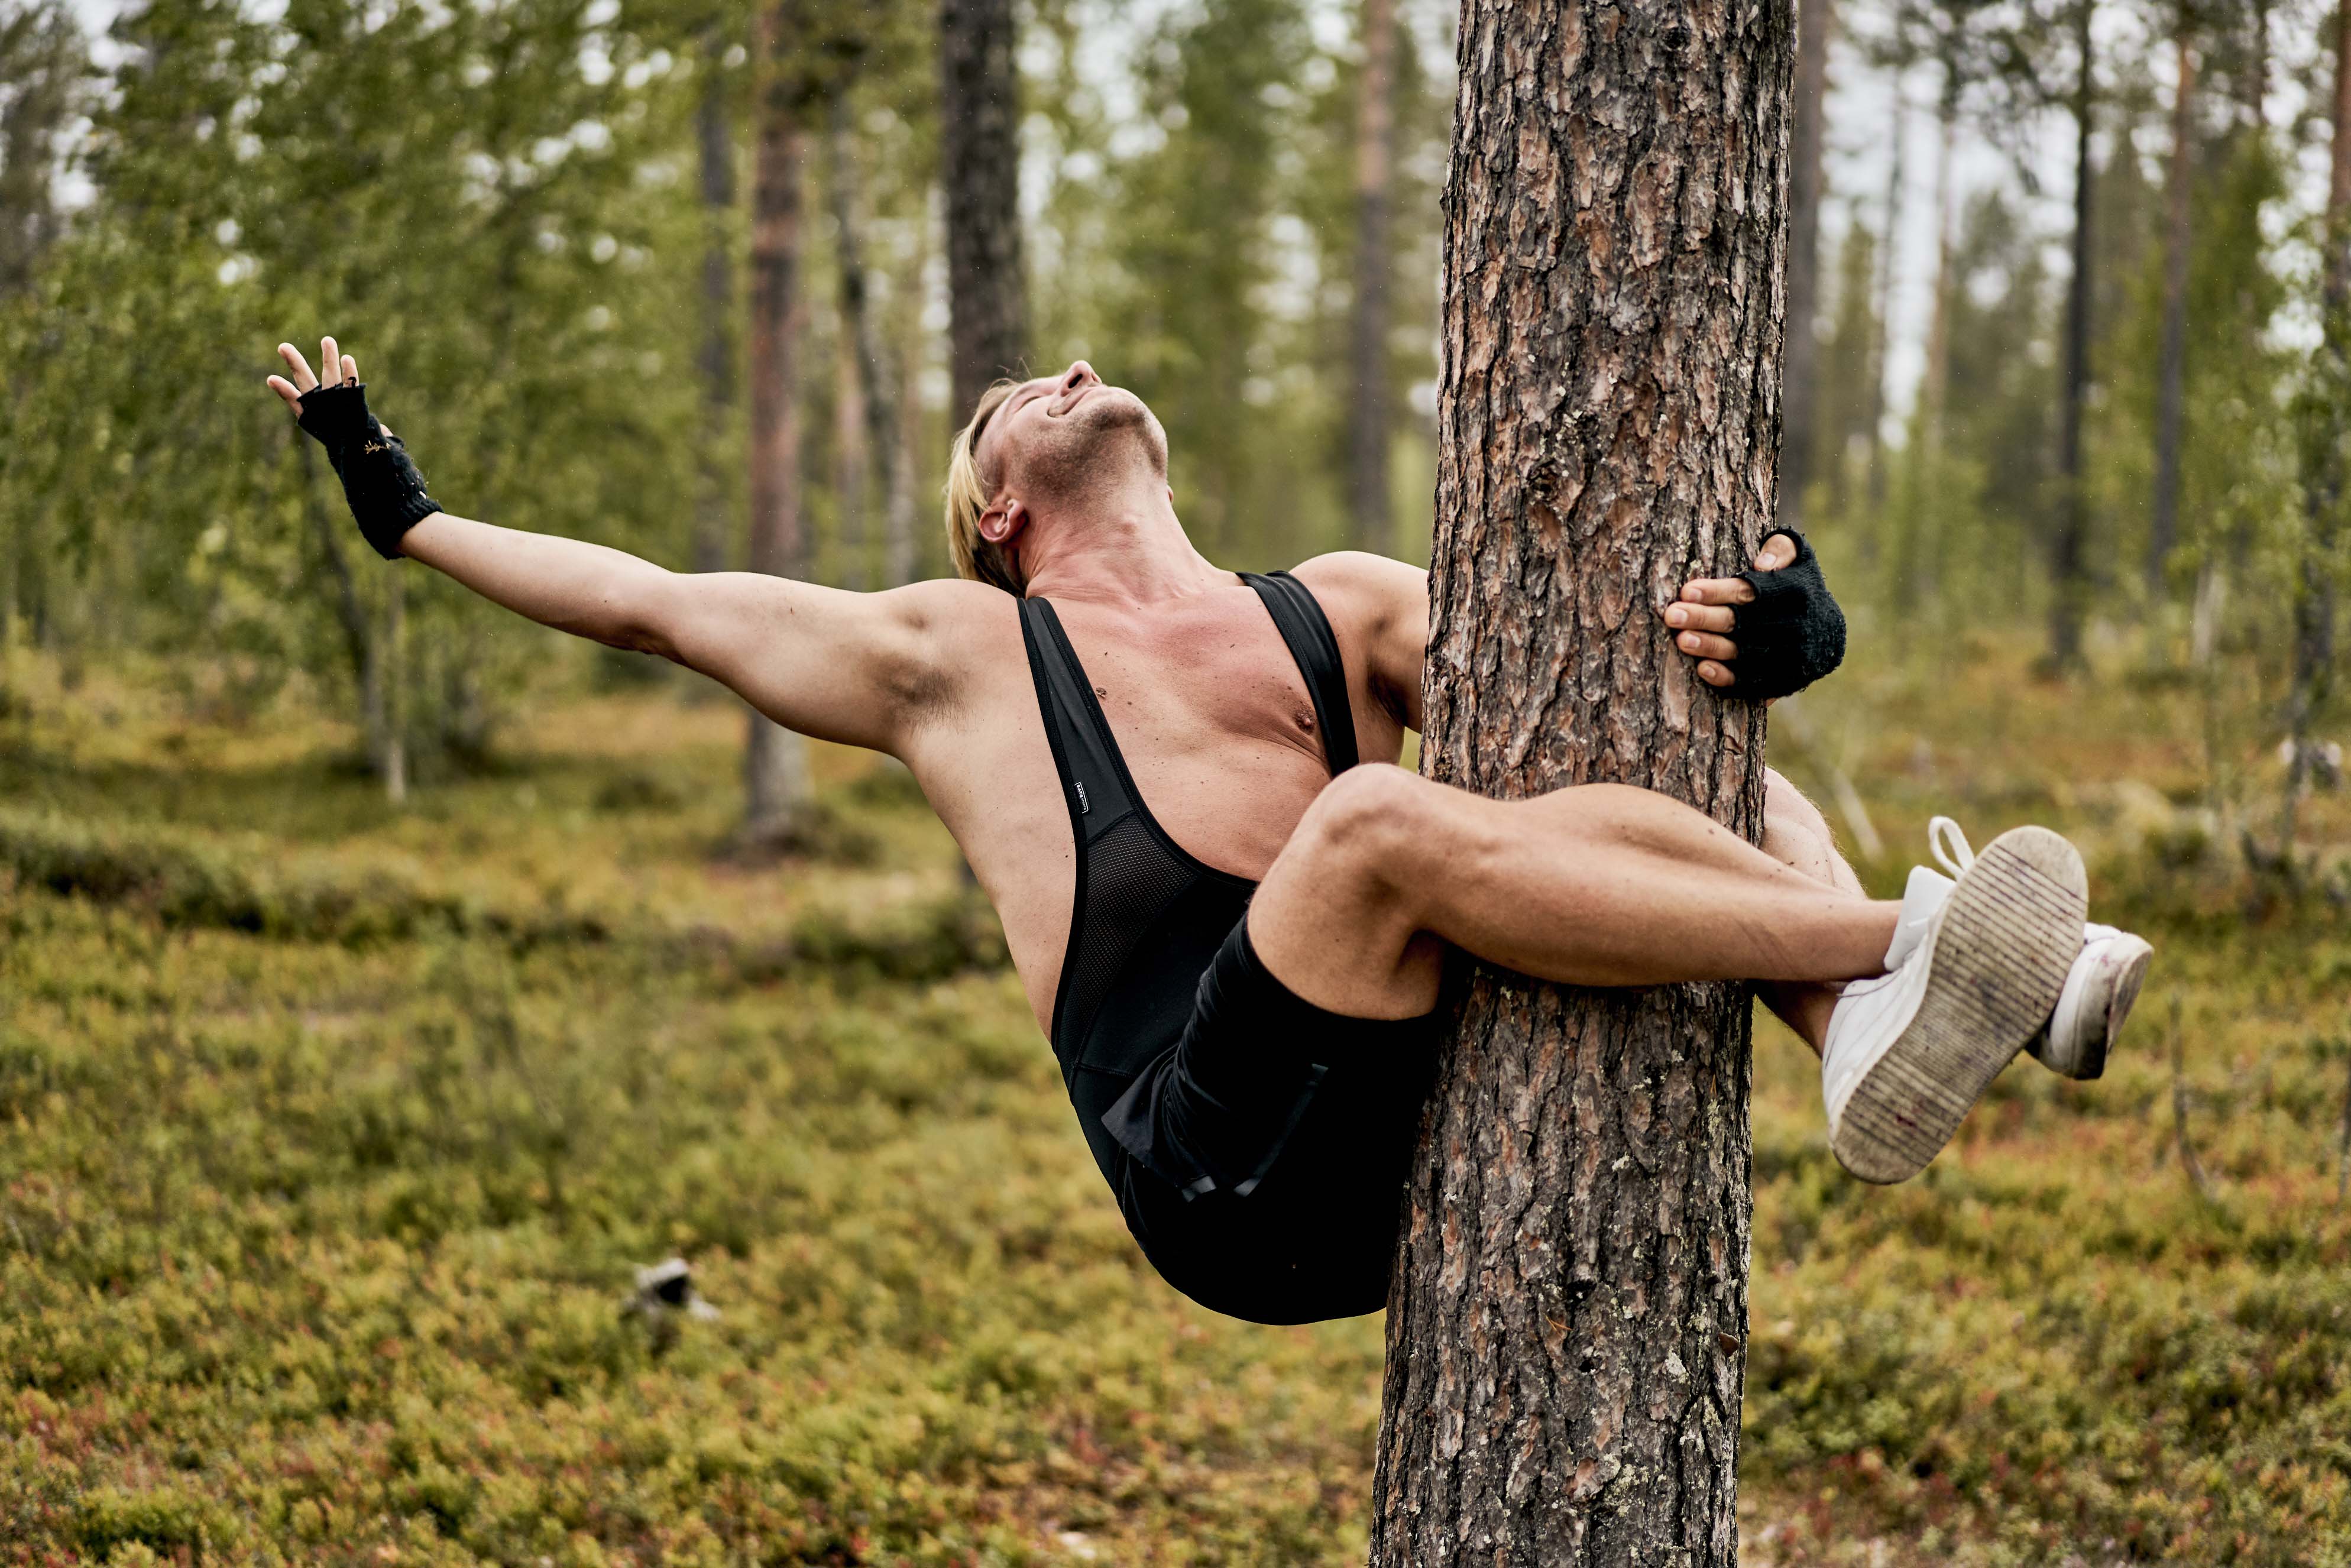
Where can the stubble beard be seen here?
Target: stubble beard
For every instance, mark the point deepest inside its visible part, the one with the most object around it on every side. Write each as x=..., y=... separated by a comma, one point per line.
x=1095, y=449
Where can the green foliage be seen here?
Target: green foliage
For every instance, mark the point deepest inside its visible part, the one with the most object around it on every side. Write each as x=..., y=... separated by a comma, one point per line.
x=315, y=1237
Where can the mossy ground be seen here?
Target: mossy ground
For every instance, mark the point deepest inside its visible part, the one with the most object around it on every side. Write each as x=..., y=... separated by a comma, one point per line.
x=330, y=1134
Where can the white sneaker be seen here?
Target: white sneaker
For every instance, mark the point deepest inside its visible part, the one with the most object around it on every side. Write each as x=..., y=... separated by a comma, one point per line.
x=1975, y=967
x=2099, y=989
x=2098, y=995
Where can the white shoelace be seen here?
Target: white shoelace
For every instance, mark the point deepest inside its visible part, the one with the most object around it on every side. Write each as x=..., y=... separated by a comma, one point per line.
x=1955, y=855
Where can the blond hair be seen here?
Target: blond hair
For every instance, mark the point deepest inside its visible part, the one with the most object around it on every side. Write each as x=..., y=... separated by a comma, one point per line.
x=967, y=497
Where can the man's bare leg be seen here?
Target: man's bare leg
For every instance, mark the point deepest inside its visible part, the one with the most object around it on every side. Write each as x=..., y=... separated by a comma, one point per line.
x=1797, y=835
x=1597, y=886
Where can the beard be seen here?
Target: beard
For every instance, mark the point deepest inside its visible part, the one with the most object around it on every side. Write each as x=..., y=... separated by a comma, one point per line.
x=1096, y=448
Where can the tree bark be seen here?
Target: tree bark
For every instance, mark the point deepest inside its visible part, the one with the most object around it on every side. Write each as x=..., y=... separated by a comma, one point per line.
x=2068, y=568
x=1816, y=21
x=1370, y=417
x=2171, y=367
x=715, y=138
x=979, y=140
x=777, y=791
x=2327, y=407
x=1567, y=1323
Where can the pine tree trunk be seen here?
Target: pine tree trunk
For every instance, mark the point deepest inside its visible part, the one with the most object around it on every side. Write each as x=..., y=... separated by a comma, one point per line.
x=1815, y=20
x=2171, y=367
x=1567, y=1324
x=1919, y=562
x=979, y=142
x=714, y=139
x=901, y=562
x=2069, y=568
x=1881, y=362
x=2323, y=462
x=877, y=442
x=777, y=791
x=1371, y=418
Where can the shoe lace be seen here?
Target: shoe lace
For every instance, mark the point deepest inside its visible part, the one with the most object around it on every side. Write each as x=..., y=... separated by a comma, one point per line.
x=1949, y=844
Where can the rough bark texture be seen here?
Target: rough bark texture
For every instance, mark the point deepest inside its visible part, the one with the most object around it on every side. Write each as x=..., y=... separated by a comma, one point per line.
x=1371, y=416
x=1567, y=1324
x=980, y=143
x=775, y=761
x=2171, y=366
x=2068, y=568
x=1814, y=21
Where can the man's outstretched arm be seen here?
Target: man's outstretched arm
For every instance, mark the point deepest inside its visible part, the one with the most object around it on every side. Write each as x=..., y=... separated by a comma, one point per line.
x=850, y=667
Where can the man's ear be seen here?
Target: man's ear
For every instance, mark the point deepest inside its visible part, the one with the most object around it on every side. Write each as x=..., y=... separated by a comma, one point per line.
x=1003, y=521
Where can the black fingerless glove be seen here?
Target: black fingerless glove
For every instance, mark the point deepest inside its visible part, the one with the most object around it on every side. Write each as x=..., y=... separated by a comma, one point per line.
x=385, y=491
x=1793, y=635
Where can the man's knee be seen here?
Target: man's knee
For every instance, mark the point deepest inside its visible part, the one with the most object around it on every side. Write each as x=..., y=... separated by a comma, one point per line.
x=1361, y=828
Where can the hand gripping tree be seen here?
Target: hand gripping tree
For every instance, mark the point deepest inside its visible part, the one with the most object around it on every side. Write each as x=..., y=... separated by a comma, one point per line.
x=1567, y=1325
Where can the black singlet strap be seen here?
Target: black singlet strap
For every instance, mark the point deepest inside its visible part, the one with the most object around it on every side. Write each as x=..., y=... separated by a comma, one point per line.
x=1308, y=632
x=1082, y=747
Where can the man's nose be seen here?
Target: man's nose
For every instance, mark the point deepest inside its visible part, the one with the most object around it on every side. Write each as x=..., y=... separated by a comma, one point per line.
x=1080, y=373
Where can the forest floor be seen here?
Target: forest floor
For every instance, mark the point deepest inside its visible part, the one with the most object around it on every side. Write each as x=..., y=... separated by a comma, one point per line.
x=331, y=1135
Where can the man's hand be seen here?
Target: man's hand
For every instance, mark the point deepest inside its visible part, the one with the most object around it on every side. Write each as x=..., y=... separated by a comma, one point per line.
x=1781, y=613
x=328, y=357
x=1703, y=617
x=386, y=493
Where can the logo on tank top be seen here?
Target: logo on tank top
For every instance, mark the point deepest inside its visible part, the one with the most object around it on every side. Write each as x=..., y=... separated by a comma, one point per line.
x=1083, y=807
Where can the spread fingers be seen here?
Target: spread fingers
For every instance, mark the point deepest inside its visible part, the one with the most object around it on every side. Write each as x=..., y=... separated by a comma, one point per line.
x=285, y=389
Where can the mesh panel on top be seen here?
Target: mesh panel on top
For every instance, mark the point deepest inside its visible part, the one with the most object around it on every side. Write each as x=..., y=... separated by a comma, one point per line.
x=1131, y=879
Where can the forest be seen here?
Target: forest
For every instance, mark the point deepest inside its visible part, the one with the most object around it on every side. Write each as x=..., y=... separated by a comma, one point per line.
x=387, y=981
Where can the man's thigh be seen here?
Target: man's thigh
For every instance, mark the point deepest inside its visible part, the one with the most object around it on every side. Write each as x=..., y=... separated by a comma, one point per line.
x=1334, y=919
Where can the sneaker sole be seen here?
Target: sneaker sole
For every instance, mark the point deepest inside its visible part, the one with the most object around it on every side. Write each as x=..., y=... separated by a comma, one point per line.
x=2119, y=1002
x=2001, y=958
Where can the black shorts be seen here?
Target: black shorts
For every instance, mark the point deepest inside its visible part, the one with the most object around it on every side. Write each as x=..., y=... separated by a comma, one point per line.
x=1265, y=1152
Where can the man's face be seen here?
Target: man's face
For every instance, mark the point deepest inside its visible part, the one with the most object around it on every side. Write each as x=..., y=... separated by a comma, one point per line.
x=1051, y=438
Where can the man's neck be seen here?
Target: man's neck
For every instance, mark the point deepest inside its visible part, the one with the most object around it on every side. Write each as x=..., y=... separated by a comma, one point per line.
x=1124, y=549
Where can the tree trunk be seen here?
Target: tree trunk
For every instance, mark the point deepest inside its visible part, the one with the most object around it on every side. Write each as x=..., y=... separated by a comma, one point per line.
x=2323, y=462
x=1566, y=1327
x=979, y=140
x=2068, y=568
x=1918, y=578
x=1815, y=20
x=2171, y=368
x=715, y=360
x=1370, y=417
x=1881, y=358
x=908, y=341
x=878, y=440
x=777, y=791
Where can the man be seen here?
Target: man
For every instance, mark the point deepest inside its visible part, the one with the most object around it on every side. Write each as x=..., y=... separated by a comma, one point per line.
x=1229, y=907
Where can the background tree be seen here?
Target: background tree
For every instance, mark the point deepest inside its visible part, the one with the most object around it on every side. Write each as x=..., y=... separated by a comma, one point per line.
x=979, y=142
x=1563, y=1365
x=1368, y=428
x=1815, y=22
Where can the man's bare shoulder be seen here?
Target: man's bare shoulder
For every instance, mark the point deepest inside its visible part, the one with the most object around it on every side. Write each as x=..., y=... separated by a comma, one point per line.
x=1360, y=585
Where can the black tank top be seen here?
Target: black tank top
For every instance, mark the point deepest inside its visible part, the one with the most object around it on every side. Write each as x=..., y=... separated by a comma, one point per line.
x=1147, y=917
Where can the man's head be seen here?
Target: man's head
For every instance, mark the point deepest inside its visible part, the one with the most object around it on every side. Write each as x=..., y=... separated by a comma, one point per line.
x=1046, y=453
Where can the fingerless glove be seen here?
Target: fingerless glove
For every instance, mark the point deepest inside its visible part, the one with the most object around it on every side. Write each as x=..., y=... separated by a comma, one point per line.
x=1793, y=635
x=385, y=491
